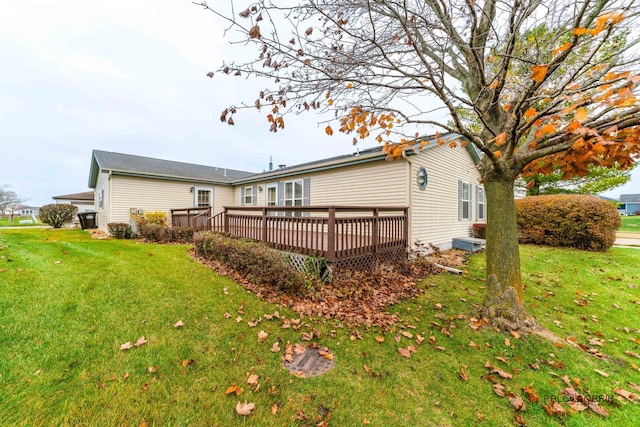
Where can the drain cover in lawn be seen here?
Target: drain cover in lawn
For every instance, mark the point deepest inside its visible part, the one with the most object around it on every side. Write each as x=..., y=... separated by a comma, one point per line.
x=311, y=362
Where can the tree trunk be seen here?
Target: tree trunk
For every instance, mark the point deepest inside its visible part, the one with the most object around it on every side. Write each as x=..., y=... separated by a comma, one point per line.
x=504, y=301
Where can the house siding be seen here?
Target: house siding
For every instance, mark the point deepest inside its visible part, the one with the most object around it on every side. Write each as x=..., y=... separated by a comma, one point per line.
x=434, y=211
x=370, y=184
x=103, y=213
x=149, y=194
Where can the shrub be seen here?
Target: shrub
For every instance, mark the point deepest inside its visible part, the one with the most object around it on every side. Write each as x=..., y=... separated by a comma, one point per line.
x=161, y=234
x=253, y=260
x=119, y=230
x=57, y=215
x=571, y=220
x=479, y=230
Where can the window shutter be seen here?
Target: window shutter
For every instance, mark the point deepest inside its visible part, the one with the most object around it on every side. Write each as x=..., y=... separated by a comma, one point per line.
x=477, y=202
x=254, y=197
x=470, y=202
x=242, y=196
x=306, y=194
x=459, y=200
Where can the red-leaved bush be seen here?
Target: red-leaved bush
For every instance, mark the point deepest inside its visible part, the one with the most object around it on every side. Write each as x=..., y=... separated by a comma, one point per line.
x=571, y=220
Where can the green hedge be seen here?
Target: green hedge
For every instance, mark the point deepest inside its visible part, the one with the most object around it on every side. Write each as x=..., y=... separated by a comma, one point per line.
x=162, y=234
x=254, y=260
x=571, y=220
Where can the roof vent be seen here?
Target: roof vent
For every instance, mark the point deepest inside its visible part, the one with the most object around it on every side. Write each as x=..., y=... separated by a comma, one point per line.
x=282, y=166
x=225, y=171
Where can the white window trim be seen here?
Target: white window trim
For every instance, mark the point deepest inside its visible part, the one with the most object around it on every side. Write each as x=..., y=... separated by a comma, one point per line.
x=201, y=188
x=462, y=201
x=273, y=185
x=249, y=196
x=482, y=203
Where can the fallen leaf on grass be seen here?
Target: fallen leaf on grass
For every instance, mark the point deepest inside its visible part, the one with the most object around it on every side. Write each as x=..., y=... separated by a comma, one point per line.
x=531, y=395
x=597, y=408
x=604, y=374
x=380, y=338
x=244, y=408
x=407, y=334
x=627, y=395
x=262, y=335
x=463, y=374
x=634, y=386
x=188, y=362
x=152, y=369
x=630, y=353
x=404, y=352
x=227, y=315
x=515, y=334
x=554, y=409
x=516, y=401
x=499, y=389
x=252, y=380
x=577, y=406
x=126, y=346
x=141, y=341
x=275, y=347
x=275, y=408
x=502, y=373
x=178, y=324
x=233, y=388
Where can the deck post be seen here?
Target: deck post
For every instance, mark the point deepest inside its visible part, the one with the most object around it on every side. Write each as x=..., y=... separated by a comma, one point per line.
x=189, y=219
x=226, y=220
x=375, y=230
x=331, y=234
x=264, y=225
x=406, y=227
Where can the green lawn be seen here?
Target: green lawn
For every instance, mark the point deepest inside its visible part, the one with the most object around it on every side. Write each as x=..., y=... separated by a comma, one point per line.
x=630, y=224
x=67, y=303
x=6, y=222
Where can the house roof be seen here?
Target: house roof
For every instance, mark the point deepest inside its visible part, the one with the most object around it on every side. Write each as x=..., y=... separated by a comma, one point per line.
x=87, y=195
x=630, y=198
x=358, y=157
x=127, y=164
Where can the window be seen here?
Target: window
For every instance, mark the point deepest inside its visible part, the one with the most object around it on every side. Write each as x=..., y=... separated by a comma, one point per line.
x=203, y=197
x=101, y=199
x=464, y=200
x=293, y=195
x=248, y=196
x=272, y=194
x=481, y=204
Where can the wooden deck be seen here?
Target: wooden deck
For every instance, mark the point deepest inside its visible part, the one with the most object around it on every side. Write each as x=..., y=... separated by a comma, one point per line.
x=334, y=232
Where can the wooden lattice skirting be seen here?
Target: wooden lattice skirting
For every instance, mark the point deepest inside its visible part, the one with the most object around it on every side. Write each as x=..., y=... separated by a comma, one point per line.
x=366, y=262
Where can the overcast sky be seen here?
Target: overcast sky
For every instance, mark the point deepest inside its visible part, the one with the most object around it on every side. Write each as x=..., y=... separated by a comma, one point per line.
x=130, y=76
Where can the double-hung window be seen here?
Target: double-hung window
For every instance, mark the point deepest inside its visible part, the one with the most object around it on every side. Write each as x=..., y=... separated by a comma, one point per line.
x=293, y=195
x=249, y=197
x=464, y=200
x=481, y=204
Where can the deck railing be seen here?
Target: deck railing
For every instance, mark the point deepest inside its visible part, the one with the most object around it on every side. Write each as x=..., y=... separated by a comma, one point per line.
x=333, y=232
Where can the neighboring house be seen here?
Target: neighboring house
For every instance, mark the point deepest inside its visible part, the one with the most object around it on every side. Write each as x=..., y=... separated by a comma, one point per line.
x=440, y=186
x=631, y=203
x=26, y=211
x=83, y=201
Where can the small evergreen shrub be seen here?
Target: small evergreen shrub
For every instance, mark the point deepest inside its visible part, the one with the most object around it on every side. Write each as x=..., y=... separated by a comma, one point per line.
x=119, y=230
x=479, y=230
x=254, y=260
x=57, y=215
x=571, y=220
x=161, y=234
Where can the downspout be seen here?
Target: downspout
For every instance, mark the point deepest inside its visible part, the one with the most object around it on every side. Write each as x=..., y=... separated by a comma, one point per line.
x=410, y=219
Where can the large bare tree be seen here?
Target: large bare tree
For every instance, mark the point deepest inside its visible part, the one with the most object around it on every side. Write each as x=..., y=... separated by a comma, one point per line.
x=9, y=198
x=534, y=85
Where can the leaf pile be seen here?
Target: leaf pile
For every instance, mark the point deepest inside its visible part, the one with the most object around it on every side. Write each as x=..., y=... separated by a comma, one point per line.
x=355, y=297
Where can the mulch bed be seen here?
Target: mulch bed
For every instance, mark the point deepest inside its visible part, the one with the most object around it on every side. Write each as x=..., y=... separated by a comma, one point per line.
x=354, y=297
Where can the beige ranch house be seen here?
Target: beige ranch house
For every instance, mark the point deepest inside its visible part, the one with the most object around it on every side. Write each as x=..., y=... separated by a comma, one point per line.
x=437, y=190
